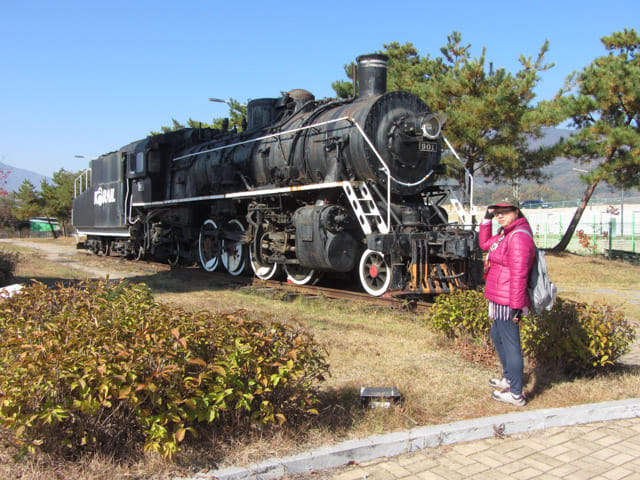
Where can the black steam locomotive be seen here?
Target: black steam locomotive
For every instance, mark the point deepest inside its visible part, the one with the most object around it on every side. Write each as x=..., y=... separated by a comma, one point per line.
x=308, y=187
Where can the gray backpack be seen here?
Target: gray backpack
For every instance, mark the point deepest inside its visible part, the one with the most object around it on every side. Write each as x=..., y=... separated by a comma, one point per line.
x=542, y=292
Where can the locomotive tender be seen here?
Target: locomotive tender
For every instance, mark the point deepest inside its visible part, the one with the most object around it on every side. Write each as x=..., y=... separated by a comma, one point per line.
x=308, y=187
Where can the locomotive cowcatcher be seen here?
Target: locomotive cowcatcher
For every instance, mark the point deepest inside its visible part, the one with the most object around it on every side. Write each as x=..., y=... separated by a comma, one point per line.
x=333, y=187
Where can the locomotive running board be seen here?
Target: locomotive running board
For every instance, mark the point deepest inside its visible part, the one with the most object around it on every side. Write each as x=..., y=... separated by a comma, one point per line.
x=124, y=233
x=248, y=193
x=359, y=196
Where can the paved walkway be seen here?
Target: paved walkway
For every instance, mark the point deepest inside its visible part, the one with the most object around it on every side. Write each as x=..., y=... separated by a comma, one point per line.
x=605, y=450
x=594, y=441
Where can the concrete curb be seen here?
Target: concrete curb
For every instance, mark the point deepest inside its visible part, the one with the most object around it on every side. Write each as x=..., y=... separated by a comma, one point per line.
x=392, y=444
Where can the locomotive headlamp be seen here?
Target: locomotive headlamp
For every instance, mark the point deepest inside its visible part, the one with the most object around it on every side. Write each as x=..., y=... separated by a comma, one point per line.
x=432, y=124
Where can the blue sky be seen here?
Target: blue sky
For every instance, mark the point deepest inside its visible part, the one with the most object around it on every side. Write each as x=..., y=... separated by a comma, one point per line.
x=87, y=77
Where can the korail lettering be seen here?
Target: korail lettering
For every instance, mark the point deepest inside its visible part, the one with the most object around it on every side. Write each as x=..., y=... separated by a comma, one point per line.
x=104, y=195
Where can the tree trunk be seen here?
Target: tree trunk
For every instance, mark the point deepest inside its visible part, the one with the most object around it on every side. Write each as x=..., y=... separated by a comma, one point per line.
x=566, y=238
x=53, y=231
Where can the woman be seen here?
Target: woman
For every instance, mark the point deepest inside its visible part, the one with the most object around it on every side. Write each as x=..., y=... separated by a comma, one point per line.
x=511, y=256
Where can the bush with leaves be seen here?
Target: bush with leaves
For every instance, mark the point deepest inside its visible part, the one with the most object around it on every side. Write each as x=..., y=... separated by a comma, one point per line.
x=461, y=314
x=103, y=366
x=573, y=337
x=576, y=337
x=8, y=262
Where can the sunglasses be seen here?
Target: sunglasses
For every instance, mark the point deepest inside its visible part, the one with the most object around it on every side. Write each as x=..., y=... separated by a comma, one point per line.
x=504, y=211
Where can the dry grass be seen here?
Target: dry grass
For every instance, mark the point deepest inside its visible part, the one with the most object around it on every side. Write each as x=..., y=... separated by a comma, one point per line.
x=96, y=467
x=440, y=382
x=595, y=279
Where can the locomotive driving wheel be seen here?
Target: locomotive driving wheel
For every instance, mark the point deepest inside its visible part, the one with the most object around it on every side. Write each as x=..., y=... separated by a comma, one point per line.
x=174, y=252
x=375, y=274
x=209, y=245
x=138, y=253
x=300, y=275
x=233, y=252
x=261, y=267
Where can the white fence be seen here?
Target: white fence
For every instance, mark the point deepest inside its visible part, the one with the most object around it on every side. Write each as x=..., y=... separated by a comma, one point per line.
x=604, y=226
x=601, y=228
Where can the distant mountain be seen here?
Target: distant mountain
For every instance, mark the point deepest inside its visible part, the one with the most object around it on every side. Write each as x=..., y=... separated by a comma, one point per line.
x=564, y=173
x=564, y=176
x=551, y=137
x=18, y=175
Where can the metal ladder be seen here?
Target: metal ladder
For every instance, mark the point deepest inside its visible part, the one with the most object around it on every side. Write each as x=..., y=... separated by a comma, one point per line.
x=365, y=208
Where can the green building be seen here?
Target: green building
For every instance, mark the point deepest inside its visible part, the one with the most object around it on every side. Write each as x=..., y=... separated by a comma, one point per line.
x=41, y=226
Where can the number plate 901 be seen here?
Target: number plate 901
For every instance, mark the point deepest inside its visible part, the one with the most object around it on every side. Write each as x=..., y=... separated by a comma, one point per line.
x=428, y=147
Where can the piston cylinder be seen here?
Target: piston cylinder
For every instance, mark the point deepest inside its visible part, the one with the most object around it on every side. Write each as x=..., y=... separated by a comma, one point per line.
x=321, y=243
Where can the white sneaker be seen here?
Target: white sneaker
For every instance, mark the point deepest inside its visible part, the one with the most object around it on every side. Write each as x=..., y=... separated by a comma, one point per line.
x=507, y=397
x=502, y=384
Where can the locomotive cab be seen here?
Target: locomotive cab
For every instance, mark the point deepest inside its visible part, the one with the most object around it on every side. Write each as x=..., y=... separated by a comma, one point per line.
x=136, y=159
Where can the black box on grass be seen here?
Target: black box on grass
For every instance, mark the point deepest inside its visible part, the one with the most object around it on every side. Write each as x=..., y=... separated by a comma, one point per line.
x=378, y=397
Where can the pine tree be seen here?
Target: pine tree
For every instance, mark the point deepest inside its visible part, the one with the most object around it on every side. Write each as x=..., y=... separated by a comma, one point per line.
x=490, y=111
x=491, y=118
x=57, y=198
x=28, y=202
x=605, y=107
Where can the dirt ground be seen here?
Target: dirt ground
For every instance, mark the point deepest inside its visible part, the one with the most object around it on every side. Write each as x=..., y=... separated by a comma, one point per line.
x=81, y=259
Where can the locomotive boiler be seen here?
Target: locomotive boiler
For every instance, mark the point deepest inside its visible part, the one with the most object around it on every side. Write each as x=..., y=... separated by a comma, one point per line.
x=309, y=187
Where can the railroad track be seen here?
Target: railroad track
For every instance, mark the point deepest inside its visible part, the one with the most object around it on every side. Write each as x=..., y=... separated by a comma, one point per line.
x=392, y=301
x=402, y=302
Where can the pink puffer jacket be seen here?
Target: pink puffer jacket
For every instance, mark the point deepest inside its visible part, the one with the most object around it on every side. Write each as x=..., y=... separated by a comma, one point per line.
x=510, y=263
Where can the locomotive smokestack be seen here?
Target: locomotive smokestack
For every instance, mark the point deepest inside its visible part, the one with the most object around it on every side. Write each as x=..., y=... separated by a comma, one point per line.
x=372, y=74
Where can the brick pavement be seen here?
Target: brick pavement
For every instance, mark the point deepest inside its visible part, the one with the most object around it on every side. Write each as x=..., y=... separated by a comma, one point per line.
x=598, y=441
x=600, y=451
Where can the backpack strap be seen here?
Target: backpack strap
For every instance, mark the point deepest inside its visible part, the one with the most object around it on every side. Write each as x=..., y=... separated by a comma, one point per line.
x=519, y=230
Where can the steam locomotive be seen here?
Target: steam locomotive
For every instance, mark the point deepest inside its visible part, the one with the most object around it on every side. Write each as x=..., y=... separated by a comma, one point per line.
x=308, y=187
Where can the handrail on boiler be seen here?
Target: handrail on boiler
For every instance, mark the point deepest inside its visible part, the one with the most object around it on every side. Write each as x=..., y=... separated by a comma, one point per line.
x=469, y=185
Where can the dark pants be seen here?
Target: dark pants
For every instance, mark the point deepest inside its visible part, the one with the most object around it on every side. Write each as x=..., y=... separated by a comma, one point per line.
x=506, y=337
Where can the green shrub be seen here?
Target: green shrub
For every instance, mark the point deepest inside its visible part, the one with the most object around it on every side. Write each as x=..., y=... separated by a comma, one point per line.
x=461, y=314
x=8, y=262
x=574, y=337
x=102, y=366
